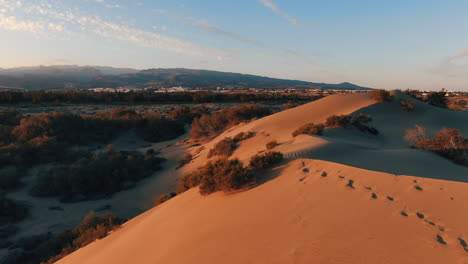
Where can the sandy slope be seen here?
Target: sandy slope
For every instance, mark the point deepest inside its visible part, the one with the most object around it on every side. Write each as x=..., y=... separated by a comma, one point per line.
x=299, y=217
x=313, y=209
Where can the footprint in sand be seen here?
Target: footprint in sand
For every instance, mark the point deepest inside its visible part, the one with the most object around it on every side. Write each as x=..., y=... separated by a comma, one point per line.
x=463, y=244
x=350, y=184
x=441, y=240
x=306, y=170
x=324, y=174
x=420, y=215
x=418, y=188
x=403, y=213
x=390, y=198
x=374, y=196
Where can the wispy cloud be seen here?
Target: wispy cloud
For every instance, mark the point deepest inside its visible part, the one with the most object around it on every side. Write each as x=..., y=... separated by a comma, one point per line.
x=275, y=8
x=48, y=16
x=205, y=26
x=107, y=4
x=455, y=65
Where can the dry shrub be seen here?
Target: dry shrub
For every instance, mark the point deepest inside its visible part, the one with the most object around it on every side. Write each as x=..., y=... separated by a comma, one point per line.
x=266, y=160
x=338, y=121
x=448, y=142
x=272, y=144
x=407, y=105
x=163, y=198
x=211, y=125
x=218, y=175
x=243, y=136
x=311, y=129
x=381, y=96
x=224, y=147
x=186, y=159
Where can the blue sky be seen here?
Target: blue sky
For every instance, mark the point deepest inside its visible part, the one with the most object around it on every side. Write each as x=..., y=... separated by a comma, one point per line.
x=385, y=44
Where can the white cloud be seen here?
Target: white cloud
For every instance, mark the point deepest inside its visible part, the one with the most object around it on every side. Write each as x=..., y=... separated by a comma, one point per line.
x=274, y=7
x=455, y=65
x=205, y=26
x=48, y=16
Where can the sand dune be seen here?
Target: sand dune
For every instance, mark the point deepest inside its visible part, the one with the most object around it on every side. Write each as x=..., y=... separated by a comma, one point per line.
x=327, y=204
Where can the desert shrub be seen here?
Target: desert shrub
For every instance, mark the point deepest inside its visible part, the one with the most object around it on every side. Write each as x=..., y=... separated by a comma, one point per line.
x=218, y=175
x=210, y=125
x=243, y=136
x=48, y=249
x=272, y=144
x=338, y=121
x=448, y=142
x=265, y=160
x=310, y=128
x=187, y=114
x=163, y=198
x=407, y=105
x=458, y=105
x=11, y=211
x=381, y=96
x=95, y=176
x=10, y=178
x=438, y=99
x=186, y=159
x=292, y=104
x=224, y=147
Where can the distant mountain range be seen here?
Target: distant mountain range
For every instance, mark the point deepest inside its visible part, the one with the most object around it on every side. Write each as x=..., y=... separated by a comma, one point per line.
x=82, y=77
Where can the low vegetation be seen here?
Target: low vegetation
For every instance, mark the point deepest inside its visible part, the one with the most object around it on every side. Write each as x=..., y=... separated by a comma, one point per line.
x=265, y=160
x=310, y=129
x=360, y=122
x=95, y=176
x=381, y=96
x=49, y=249
x=218, y=175
x=228, y=145
x=271, y=145
x=164, y=198
x=407, y=105
x=211, y=125
x=448, y=142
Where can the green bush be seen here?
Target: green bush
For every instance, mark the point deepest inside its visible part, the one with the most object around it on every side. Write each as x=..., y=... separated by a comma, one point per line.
x=266, y=160
x=218, y=175
x=311, y=129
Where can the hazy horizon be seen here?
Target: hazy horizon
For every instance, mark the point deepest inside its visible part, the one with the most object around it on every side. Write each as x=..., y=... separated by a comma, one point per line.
x=392, y=45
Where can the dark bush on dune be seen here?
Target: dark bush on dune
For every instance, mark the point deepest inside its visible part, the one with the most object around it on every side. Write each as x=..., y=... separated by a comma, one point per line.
x=338, y=121
x=211, y=125
x=186, y=114
x=228, y=145
x=218, y=175
x=50, y=249
x=448, y=142
x=381, y=96
x=360, y=122
x=224, y=147
x=163, y=198
x=311, y=129
x=95, y=176
x=271, y=145
x=266, y=160
x=407, y=105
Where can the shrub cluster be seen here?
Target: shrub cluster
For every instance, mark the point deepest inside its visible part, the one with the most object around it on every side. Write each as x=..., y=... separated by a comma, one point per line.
x=218, y=175
x=360, y=122
x=228, y=145
x=95, y=176
x=49, y=249
x=266, y=160
x=311, y=129
x=211, y=125
x=381, y=96
x=448, y=142
x=163, y=198
x=407, y=105
x=271, y=145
